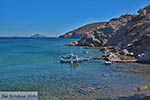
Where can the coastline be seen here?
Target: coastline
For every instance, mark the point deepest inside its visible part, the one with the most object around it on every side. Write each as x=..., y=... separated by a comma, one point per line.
x=127, y=35
x=116, y=57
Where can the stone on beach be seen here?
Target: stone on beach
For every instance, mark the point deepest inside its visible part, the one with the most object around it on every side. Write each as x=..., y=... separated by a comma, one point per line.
x=124, y=52
x=72, y=43
x=112, y=57
x=142, y=88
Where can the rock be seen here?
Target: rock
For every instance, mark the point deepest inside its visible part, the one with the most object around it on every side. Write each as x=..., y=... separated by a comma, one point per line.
x=112, y=57
x=140, y=55
x=101, y=31
x=89, y=40
x=124, y=52
x=103, y=49
x=130, y=54
x=142, y=88
x=91, y=45
x=72, y=44
x=144, y=11
x=129, y=45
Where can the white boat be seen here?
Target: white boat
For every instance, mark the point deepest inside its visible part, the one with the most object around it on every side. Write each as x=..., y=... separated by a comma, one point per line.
x=70, y=59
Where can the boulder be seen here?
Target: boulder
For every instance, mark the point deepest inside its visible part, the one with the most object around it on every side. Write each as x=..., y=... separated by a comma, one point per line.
x=89, y=40
x=72, y=44
x=124, y=52
x=142, y=88
x=91, y=45
x=112, y=57
x=131, y=54
x=103, y=49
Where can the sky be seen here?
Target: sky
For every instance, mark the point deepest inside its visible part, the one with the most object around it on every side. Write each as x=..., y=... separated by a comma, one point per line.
x=56, y=17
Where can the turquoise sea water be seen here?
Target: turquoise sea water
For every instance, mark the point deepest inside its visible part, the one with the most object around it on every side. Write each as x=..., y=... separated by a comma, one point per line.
x=33, y=65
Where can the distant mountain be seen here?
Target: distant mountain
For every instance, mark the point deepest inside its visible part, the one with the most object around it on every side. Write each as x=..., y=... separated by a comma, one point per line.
x=38, y=36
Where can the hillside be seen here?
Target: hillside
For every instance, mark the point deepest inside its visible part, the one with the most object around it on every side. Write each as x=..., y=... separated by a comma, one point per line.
x=80, y=32
x=131, y=32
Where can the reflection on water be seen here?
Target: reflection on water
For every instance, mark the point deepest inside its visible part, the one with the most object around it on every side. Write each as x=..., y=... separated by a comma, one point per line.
x=74, y=65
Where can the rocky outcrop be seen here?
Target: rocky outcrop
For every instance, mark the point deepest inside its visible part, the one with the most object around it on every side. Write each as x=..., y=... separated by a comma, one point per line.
x=124, y=52
x=82, y=31
x=89, y=40
x=98, y=34
x=142, y=88
x=112, y=57
x=72, y=43
x=130, y=33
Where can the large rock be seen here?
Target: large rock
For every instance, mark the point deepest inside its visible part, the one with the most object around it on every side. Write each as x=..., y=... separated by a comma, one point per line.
x=124, y=52
x=89, y=40
x=142, y=88
x=112, y=57
x=72, y=43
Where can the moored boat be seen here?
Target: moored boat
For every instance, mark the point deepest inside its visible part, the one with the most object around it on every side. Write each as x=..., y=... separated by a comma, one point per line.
x=70, y=59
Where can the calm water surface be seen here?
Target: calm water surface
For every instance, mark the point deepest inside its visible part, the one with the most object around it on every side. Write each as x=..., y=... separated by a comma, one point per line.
x=33, y=65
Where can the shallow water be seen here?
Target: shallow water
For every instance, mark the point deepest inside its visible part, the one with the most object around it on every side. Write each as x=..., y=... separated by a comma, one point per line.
x=33, y=65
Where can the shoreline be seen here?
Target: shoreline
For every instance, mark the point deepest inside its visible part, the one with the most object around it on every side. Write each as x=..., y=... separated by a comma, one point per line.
x=107, y=52
x=127, y=34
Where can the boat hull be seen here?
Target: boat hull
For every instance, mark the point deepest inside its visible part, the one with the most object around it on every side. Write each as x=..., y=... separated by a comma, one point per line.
x=70, y=61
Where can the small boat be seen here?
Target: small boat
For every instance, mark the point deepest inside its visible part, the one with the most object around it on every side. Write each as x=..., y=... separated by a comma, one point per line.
x=70, y=59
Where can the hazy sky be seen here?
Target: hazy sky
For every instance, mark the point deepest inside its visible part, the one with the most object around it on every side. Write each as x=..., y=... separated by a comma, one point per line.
x=55, y=17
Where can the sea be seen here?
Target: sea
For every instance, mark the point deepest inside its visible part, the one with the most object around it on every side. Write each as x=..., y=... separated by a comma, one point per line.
x=33, y=64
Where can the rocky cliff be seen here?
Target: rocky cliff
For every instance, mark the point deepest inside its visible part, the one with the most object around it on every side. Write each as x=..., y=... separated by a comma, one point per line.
x=98, y=34
x=131, y=32
x=82, y=31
